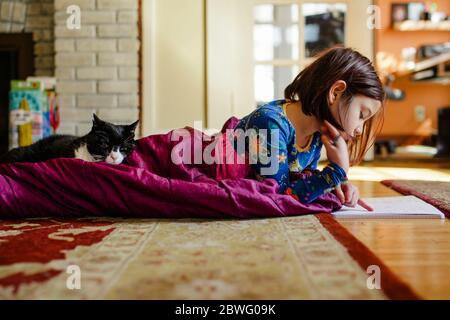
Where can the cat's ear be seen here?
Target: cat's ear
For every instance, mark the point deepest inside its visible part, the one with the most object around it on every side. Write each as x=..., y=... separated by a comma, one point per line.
x=132, y=127
x=97, y=122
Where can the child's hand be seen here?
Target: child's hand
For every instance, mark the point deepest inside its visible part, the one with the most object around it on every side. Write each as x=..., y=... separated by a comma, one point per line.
x=348, y=194
x=335, y=146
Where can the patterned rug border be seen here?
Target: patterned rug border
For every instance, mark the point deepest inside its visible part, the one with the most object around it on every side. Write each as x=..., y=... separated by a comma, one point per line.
x=391, y=284
x=408, y=191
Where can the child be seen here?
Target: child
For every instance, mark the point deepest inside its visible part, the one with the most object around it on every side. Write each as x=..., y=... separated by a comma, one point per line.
x=337, y=101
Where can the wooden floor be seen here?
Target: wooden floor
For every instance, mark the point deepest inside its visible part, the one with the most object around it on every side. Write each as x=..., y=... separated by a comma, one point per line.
x=418, y=251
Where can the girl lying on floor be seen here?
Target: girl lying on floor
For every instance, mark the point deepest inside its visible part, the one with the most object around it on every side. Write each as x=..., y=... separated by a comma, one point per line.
x=337, y=101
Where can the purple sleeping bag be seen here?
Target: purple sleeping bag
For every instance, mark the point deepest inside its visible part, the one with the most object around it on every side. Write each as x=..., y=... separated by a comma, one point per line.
x=150, y=185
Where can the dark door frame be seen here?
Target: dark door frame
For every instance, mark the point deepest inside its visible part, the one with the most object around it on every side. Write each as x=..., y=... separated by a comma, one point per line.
x=22, y=44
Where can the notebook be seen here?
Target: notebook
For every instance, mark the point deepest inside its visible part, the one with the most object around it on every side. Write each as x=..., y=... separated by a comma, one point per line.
x=392, y=207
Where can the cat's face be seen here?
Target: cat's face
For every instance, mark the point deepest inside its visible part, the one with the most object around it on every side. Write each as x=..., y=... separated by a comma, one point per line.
x=109, y=142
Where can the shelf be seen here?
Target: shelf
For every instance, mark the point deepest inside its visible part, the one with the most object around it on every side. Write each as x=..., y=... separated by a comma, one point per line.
x=410, y=25
x=441, y=81
x=425, y=64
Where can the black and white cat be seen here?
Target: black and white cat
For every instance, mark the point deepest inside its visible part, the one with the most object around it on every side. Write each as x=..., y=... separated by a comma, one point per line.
x=105, y=142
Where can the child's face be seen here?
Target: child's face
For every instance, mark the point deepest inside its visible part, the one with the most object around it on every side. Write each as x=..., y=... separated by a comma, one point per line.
x=353, y=116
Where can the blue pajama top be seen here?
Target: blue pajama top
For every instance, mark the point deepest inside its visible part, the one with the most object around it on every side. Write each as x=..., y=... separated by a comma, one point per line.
x=290, y=157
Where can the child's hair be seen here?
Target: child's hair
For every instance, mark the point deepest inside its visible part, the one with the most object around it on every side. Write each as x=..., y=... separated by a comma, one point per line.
x=312, y=85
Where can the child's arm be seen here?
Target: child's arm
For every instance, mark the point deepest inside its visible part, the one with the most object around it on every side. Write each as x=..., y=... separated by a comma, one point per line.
x=305, y=190
x=308, y=189
x=300, y=188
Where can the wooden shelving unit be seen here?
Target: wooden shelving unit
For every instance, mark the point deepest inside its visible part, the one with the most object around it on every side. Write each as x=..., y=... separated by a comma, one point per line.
x=410, y=25
x=443, y=77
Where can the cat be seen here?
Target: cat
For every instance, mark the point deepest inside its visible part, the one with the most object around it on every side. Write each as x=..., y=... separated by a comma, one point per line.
x=105, y=142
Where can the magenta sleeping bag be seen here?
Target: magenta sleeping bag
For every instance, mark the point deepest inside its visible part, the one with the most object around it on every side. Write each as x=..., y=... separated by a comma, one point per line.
x=149, y=185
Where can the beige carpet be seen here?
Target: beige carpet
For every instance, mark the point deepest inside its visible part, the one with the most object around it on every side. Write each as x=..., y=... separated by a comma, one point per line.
x=279, y=258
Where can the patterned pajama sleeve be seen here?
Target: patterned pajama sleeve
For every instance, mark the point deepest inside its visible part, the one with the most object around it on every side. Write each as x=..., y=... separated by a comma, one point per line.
x=305, y=190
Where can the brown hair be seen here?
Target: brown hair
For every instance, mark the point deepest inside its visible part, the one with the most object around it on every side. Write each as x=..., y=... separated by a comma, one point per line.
x=312, y=85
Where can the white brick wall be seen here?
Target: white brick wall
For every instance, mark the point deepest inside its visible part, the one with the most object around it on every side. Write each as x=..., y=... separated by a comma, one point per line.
x=118, y=59
x=61, y=5
x=97, y=101
x=75, y=59
x=97, y=66
x=117, y=4
x=96, y=45
x=97, y=73
x=117, y=31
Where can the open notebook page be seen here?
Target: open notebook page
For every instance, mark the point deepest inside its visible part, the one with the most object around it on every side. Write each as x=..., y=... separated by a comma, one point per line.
x=392, y=207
